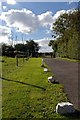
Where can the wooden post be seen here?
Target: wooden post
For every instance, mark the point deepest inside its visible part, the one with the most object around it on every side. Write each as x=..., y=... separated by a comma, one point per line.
x=16, y=57
x=23, y=56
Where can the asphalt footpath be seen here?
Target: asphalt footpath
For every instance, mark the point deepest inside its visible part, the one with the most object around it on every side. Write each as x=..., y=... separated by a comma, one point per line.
x=67, y=73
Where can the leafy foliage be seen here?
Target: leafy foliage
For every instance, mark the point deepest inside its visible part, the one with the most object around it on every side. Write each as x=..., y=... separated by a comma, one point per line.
x=8, y=50
x=31, y=48
x=67, y=29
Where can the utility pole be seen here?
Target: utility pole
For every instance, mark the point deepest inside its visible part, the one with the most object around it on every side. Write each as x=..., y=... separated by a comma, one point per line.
x=23, y=44
x=16, y=54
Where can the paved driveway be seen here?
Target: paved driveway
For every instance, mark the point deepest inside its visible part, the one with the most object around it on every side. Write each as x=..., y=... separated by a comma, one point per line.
x=67, y=73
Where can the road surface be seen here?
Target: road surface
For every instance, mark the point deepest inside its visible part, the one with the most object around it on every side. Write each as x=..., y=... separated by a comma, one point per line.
x=67, y=73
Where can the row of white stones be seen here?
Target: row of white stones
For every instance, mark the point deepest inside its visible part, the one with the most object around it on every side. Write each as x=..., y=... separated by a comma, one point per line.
x=63, y=107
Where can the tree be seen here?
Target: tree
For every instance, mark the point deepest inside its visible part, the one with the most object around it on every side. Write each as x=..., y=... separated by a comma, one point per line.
x=67, y=31
x=33, y=48
x=53, y=43
x=7, y=50
x=30, y=48
x=61, y=24
x=21, y=47
x=4, y=46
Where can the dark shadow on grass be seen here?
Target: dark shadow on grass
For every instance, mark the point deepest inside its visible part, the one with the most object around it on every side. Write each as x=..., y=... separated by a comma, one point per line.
x=75, y=116
x=24, y=83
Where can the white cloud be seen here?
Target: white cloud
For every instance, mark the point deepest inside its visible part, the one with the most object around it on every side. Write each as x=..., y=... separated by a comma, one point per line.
x=4, y=34
x=58, y=13
x=4, y=7
x=4, y=39
x=4, y=31
x=11, y=2
x=71, y=1
x=45, y=49
x=46, y=19
x=24, y=20
x=0, y=7
x=43, y=43
x=0, y=4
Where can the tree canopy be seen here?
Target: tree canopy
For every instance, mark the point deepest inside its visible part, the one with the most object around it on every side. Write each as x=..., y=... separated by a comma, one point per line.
x=67, y=31
x=30, y=48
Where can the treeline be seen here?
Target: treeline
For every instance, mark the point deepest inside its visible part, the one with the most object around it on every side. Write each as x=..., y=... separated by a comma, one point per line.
x=66, y=30
x=29, y=49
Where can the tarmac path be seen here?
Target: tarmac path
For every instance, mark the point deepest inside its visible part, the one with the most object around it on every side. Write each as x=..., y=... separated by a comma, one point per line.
x=67, y=73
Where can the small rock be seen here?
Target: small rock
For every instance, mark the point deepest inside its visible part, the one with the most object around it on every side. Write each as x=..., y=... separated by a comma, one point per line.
x=45, y=70
x=65, y=108
x=51, y=79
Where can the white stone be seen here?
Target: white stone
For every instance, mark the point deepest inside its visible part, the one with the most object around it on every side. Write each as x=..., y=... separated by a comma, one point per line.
x=50, y=78
x=45, y=70
x=65, y=108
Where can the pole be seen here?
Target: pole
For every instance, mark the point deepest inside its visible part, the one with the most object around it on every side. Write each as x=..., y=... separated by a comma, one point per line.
x=16, y=55
x=23, y=44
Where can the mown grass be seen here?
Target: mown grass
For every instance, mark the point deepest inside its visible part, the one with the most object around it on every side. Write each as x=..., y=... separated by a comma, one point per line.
x=27, y=93
x=71, y=60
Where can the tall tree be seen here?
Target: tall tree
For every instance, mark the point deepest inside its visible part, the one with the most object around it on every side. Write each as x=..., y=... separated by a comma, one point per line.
x=33, y=48
x=67, y=30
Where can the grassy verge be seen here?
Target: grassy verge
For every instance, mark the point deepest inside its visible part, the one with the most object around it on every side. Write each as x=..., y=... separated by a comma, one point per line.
x=71, y=60
x=27, y=93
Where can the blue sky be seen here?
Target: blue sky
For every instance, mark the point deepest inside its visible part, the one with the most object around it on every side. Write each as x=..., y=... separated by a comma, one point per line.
x=40, y=7
x=35, y=21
